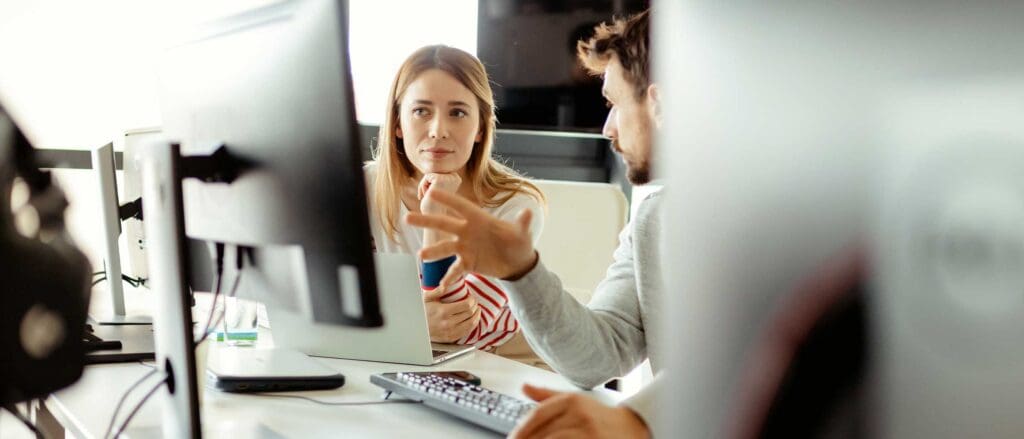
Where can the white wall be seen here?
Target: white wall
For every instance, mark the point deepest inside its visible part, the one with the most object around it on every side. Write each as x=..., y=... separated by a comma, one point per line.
x=383, y=34
x=78, y=74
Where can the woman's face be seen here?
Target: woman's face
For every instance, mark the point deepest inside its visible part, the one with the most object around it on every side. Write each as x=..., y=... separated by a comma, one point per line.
x=439, y=122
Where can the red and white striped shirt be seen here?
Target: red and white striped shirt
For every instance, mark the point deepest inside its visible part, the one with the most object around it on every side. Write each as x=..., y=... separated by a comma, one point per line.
x=497, y=325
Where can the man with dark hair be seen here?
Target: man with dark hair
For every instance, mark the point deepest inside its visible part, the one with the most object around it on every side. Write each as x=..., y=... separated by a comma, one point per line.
x=620, y=326
x=620, y=53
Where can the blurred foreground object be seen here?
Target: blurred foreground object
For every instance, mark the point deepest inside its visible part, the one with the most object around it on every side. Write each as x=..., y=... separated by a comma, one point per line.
x=800, y=130
x=44, y=292
x=949, y=248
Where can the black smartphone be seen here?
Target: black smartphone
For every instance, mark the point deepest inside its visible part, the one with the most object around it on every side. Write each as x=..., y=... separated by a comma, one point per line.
x=461, y=375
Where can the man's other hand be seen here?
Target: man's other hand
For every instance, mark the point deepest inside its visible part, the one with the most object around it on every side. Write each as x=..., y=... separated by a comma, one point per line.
x=571, y=415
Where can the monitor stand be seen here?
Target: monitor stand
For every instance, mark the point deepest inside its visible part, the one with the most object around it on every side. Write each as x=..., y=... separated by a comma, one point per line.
x=118, y=316
x=168, y=260
x=121, y=319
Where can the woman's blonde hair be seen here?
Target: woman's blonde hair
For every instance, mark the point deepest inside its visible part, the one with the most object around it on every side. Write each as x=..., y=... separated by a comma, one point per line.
x=493, y=183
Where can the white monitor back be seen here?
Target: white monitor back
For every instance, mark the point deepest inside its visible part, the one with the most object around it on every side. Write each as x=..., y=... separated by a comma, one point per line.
x=106, y=177
x=133, y=230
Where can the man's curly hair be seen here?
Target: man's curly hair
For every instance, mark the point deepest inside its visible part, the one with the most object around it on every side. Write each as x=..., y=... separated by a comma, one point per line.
x=629, y=40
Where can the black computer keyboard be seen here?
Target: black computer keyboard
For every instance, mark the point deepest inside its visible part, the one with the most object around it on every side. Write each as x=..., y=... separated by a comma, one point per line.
x=487, y=408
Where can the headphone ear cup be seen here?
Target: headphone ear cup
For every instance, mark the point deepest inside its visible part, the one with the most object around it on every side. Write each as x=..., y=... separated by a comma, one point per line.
x=44, y=296
x=45, y=309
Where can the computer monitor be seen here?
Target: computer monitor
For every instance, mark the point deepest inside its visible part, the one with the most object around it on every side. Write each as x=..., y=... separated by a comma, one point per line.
x=777, y=136
x=131, y=144
x=110, y=208
x=273, y=87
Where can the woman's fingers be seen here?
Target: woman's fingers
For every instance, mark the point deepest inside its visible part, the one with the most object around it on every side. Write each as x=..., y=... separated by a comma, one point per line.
x=422, y=188
x=523, y=219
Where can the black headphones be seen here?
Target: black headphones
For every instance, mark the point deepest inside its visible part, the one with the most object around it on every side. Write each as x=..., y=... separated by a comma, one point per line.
x=44, y=278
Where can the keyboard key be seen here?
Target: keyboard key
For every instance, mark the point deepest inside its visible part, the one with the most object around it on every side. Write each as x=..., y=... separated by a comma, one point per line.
x=487, y=408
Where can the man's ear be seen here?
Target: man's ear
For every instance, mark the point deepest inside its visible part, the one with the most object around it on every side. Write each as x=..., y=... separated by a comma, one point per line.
x=654, y=102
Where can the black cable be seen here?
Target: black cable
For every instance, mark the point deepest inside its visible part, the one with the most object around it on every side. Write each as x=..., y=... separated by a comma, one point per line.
x=219, y=263
x=138, y=406
x=117, y=408
x=28, y=424
x=239, y=264
x=133, y=281
x=223, y=310
x=340, y=403
x=209, y=318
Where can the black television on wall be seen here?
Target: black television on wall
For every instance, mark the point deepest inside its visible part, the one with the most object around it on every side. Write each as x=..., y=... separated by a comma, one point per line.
x=529, y=49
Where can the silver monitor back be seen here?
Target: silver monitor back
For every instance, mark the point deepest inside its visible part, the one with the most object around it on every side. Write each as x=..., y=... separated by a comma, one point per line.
x=132, y=143
x=103, y=166
x=776, y=126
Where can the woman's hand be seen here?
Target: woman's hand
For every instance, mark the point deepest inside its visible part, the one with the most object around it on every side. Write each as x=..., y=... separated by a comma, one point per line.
x=440, y=182
x=445, y=182
x=448, y=322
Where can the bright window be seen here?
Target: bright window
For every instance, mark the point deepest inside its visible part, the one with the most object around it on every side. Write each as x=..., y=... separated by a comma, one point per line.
x=384, y=33
x=78, y=73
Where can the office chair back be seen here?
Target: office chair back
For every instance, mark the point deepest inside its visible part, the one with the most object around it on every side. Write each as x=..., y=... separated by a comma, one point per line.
x=581, y=232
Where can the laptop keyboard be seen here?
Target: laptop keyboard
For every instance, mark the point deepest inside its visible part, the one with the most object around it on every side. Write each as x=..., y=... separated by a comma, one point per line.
x=487, y=408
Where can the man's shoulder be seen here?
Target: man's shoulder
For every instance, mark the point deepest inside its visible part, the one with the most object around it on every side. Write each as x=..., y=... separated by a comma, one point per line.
x=647, y=216
x=652, y=199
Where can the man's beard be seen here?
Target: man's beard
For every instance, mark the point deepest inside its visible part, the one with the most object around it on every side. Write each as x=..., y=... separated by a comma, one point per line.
x=638, y=175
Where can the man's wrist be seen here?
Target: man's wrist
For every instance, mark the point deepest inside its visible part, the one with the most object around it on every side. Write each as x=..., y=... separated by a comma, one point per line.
x=526, y=269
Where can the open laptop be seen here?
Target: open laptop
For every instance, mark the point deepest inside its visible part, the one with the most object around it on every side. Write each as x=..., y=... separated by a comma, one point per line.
x=404, y=338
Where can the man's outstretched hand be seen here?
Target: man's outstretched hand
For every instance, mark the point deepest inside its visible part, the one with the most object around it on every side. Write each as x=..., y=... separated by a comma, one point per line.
x=571, y=415
x=484, y=244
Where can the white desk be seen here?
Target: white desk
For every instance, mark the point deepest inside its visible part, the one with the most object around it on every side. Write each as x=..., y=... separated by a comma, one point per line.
x=84, y=409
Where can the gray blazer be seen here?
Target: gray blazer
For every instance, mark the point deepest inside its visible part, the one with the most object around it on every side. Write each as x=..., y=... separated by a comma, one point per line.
x=611, y=335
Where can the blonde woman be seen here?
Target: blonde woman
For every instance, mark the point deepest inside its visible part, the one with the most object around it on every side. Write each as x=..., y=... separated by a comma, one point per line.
x=437, y=135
